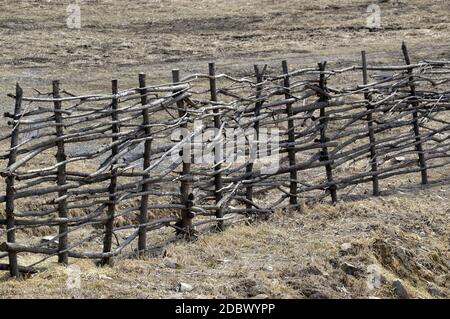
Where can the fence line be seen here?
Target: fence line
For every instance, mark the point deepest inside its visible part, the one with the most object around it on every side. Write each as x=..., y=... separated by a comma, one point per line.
x=118, y=173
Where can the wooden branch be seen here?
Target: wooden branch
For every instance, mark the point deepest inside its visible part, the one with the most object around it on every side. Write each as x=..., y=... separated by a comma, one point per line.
x=10, y=220
x=143, y=217
x=373, y=154
x=61, y=178
x=218, y=151
x=323, y=136
x=291, y=137
x=22, y=269
x=419, y=147
x=187, y=196
x=107, y=242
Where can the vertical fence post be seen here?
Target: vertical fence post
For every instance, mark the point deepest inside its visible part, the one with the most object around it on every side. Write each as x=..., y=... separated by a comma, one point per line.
x=63, y=256
x=143, y=217
x=323, y=137
x=291, y=135
x=415, y=104
x=217, y=152
x=249, y=167
x=185, y=187
x=10, y=220
x=373, y=154
x=107, y=242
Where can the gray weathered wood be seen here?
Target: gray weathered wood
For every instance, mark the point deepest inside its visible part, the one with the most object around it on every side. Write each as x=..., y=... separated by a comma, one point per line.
x=61, y=175
x=107, y=242
x=373, y=154
x=218, y=185
x=185, y=186
x=10, y=220
x=257, y=111
x=143, y=217
x=323, y=137
x=291, y=136
x=419, y=146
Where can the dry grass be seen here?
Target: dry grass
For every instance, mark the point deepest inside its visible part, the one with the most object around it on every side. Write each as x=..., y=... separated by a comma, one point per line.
x=405, y=232
x=120, y=40
x=292, y=255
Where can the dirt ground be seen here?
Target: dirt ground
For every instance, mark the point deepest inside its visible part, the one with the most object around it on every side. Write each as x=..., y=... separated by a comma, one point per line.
x=356, y=249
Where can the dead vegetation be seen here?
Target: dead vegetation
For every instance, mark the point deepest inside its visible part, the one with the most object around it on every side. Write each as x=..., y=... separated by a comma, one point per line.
x=120, y=40
x=329, y=251
x=355, y=249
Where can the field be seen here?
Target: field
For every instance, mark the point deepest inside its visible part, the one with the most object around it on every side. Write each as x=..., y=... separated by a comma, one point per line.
x=352, y=250
x=120, y=40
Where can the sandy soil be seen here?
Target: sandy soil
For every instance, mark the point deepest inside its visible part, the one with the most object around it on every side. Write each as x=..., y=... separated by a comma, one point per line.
x=403, y=234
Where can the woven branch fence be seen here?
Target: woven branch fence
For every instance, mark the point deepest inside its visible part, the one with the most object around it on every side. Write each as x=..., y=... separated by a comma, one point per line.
x=114, y=180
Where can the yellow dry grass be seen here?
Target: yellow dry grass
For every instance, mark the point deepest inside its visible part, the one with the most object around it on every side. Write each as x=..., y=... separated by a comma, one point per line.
x=292, y=255
x=405, y=232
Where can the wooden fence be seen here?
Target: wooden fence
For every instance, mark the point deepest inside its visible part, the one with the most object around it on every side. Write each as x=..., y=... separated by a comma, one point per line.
x=338, y=129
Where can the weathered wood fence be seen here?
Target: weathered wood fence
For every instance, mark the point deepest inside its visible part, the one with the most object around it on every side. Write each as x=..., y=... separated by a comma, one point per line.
x=115, y=153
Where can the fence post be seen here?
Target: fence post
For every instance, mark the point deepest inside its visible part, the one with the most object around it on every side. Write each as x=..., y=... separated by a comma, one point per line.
x=63, y=256
x=217, y=152
x=415, y=104
x=291, y=135
x=373, y=154
x=107, y=242
x=249, y=167
x=10, y=220
x=185, y=186
x=143, y=217
x=323, y=137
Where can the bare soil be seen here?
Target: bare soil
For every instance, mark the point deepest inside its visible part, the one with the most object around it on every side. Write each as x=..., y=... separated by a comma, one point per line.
x=120, y=39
